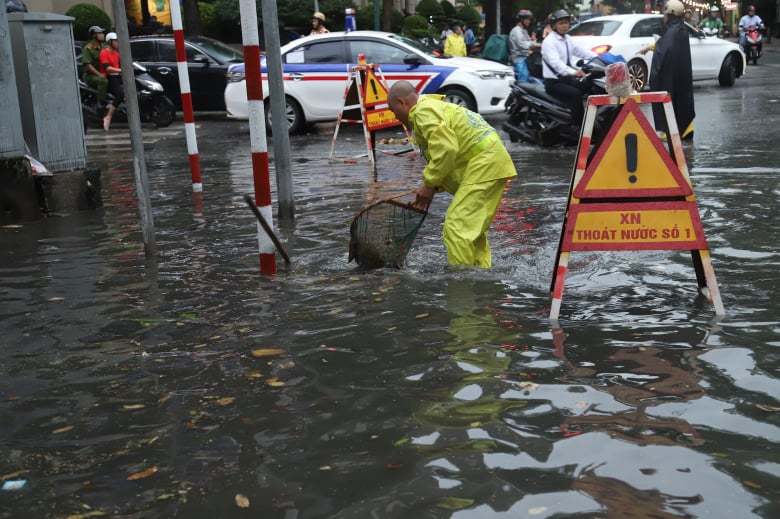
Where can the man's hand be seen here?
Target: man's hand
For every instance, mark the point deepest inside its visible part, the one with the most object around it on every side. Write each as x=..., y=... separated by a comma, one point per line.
x=647, y=48
x=580, y=73
x=423, y=197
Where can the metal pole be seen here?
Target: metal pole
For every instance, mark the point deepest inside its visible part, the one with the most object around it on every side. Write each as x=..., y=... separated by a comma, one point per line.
x=186, y=97
x=11, y=138
x=257, y=138
x=316, y=7
x=281, y=140
x=498, y=16
x=377, y=14
x=134, y=120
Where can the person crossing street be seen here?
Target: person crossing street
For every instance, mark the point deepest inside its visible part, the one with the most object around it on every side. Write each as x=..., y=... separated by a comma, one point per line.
x=466, y=158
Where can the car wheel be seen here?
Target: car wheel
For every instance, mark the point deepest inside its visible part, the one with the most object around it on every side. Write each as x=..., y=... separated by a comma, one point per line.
x=637, y=70
x=460, y=97
x=296, y=122
x=163, y=112
x=728, y=72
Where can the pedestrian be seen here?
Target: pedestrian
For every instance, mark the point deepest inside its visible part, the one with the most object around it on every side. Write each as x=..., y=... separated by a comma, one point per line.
x=548, y=26
x=470, y=38
x=110, y=66
x=318, y=24
x=466, y=158
x=561, y=77
x=455, y=44
x=671, y=70
x=521, y=44
x=751, y=19
x=90, y=61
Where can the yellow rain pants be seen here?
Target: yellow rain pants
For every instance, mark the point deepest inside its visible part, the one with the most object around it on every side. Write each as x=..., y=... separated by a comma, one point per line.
x=467, y=159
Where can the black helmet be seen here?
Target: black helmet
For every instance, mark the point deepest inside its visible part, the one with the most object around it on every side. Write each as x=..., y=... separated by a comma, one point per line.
x=96, y=29
x=522, y=14
x=560, y=14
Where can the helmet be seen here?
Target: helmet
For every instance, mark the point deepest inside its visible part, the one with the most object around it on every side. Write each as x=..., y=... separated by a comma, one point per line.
x=523, y=14
x=751, y=8
x=111, y=36
x=318, y=16
x=95, y=29
x=674, y=8
x=714, y=9
x=562, y=14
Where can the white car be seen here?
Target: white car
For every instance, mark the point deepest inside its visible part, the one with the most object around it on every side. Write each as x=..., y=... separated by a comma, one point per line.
x=626, y=34
x=316, y=69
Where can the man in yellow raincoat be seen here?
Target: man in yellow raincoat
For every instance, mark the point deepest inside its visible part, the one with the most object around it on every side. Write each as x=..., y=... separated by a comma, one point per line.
x=465, y=158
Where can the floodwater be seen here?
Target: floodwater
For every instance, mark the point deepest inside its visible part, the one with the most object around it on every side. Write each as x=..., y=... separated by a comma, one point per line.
x=134, y=388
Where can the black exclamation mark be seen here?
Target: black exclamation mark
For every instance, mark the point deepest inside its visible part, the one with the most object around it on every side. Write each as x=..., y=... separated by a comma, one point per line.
x=373, y=87
x=632, y=156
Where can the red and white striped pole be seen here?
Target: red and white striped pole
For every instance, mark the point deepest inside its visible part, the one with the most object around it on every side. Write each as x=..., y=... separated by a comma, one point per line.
x=186, y=96
x=257, y=138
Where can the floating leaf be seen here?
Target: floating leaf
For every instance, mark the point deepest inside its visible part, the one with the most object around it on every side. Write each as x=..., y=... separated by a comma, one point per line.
x=400, y=442
x=62, y=429
x=242, y=501
x=422, y=316
x=266, y=352
x=226, y=401
x=768, y=408
x=143, y=474
x=274, y=382
x=13, y=474
x=254, y=375
x=752, y=484
x=92, y=513
x=393, y=466
x=133, y=407
x=454, y=503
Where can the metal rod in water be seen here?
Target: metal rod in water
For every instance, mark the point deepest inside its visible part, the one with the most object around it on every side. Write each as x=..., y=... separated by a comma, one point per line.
x=267, y=228
x=134, y=121
x=281, y=138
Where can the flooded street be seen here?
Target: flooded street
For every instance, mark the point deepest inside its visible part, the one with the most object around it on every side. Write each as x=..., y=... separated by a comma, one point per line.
x=134, y=388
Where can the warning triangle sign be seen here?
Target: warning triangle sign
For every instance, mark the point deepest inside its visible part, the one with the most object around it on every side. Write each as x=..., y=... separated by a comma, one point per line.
x=632, y=162
x=351, y=110
x=375, y=92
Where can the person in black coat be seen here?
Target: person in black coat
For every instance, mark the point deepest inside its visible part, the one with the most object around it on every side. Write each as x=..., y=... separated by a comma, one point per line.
x=671, y=70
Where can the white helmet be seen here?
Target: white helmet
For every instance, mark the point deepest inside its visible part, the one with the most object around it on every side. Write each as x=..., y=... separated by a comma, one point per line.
x=674, y=7
x=111, y=36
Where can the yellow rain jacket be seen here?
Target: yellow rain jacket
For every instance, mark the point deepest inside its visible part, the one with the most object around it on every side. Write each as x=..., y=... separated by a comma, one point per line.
x=467, y=159
x=455, y=45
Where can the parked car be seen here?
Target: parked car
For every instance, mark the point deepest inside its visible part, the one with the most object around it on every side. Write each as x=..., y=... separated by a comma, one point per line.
x=207, y=61
x=711, y=58
x=316, y=69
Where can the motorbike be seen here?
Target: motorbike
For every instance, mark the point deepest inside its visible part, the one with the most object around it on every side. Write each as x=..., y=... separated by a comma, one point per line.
x=539, y=118
x=753, y=44
x=710, y=32
x=154, y=105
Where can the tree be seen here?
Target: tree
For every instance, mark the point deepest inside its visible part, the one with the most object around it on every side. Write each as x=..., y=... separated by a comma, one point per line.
x=87, y=15
x=429, y=9
x=469, y=16
x=448, y=10
x=191, y=18
x=416, y=26
x=387, y=15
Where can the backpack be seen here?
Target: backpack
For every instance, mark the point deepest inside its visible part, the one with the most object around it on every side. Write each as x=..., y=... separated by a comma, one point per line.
x=497, y=48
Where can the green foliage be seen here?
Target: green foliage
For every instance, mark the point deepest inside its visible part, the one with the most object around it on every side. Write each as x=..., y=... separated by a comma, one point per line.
x=429, y=9
x=447, y=9
x=87, y=15
x=364, y=17
x=208, y=19
x=416, y=26
x=469, y=16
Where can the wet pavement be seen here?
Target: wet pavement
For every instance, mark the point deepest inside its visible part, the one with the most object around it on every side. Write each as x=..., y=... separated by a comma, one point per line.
x=192, y=387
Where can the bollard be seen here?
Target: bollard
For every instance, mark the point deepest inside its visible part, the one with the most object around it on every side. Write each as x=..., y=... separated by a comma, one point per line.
x=257, y=138
x=186, y=97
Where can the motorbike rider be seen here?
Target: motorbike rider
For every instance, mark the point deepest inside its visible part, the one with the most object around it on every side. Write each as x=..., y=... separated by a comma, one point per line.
x=713, y=21
x=110, y=66
x=671, y=70
x=90, y=59
x=561, y=78
x=751, y=19
x=521, y=44
x=318, y=24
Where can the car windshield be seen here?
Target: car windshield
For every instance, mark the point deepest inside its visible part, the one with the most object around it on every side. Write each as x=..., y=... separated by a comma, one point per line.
x=415, y=44
x=219, y=50
x=595, y=28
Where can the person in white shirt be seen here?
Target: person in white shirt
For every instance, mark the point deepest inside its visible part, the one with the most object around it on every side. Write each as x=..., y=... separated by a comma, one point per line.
x=747, y=21
x=561, y=77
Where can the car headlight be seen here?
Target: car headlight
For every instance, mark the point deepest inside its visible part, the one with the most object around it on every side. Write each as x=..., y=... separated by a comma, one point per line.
x=493, y=74
x=154, y=86
x=235, y=76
